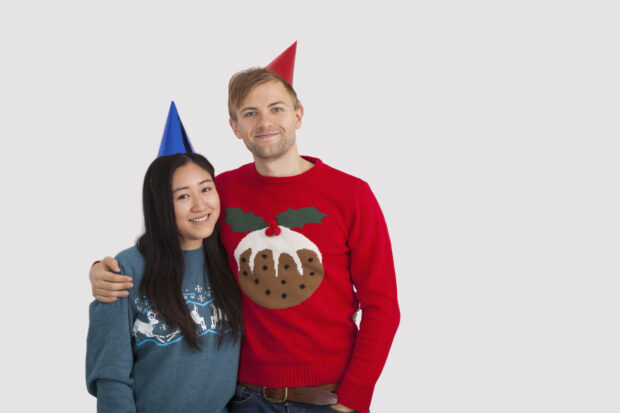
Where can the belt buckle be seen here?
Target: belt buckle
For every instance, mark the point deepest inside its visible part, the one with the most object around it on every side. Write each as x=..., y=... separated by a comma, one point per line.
x=277, y=401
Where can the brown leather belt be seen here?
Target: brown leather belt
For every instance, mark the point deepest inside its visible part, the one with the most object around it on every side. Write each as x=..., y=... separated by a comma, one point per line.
x=318, y=395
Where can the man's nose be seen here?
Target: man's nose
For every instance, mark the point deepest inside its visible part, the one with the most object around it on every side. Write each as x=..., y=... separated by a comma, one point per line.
x=265, y=120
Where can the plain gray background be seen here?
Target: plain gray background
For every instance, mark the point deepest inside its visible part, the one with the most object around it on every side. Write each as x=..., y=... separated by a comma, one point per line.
x=488, y=131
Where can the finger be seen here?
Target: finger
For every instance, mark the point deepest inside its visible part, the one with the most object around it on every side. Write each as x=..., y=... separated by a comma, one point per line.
x=100, y=292
x=111, y=264
x=341, y=408
x=100, y=273
x=113, y=278
x=111, y=286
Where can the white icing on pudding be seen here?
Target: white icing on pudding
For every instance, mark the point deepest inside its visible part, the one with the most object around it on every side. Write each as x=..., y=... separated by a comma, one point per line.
x=288, y=242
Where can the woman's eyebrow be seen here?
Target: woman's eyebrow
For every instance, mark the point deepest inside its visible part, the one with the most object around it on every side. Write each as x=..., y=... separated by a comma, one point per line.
x=187, y=187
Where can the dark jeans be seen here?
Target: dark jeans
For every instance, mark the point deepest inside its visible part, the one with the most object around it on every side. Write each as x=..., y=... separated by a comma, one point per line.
x=248, y=401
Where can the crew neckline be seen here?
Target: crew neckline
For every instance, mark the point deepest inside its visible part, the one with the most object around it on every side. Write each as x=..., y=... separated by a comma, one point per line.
x=313, y=171
x=194, y=251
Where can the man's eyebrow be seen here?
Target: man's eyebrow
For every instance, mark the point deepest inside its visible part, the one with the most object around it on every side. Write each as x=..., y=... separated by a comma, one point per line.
x=279, y=102
x=187, y=187
x=248, y=108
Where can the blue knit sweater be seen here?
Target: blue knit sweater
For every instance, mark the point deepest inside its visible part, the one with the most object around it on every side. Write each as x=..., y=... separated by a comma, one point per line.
x=136, y=362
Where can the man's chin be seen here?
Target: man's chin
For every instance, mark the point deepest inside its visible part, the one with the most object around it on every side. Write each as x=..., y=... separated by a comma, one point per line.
x=266, y=156
x=268, y=153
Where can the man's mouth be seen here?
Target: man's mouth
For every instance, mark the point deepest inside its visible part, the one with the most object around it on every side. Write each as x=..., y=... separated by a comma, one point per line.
x=267, y=135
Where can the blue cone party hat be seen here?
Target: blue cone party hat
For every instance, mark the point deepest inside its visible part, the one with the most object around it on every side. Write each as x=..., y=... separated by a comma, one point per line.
x=175, y=139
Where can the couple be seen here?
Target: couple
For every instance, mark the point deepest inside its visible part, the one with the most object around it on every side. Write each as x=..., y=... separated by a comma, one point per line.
x=308, y=245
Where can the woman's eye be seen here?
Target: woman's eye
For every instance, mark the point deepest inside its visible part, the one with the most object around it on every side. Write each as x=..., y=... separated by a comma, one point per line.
x=184, y=196
x=207, y=189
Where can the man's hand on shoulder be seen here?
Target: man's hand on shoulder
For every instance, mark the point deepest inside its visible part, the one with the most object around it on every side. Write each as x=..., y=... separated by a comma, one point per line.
x=107, y=285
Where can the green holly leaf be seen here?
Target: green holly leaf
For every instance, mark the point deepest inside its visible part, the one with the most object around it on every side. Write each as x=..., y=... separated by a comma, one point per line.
x=244, y=222
x=294, y=218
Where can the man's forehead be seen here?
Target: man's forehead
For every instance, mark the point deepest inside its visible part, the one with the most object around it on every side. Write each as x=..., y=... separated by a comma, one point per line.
x=271, y=91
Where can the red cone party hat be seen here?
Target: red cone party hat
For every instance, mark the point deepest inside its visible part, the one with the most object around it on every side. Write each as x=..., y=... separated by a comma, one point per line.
x=284, y=65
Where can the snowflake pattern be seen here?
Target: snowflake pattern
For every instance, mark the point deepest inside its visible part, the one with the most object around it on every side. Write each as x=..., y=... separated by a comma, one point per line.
x=150, y=327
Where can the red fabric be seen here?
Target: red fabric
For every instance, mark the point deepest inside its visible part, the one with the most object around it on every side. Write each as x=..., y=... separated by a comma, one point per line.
x=317, y=342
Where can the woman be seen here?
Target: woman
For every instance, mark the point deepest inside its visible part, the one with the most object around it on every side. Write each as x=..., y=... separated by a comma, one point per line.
x=173, y=344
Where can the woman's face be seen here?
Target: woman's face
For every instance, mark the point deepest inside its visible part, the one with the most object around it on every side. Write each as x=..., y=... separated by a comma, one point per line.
x=196, y=204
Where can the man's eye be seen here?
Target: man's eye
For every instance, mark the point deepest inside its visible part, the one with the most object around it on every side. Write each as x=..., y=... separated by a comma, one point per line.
x=248, y=114
x=277, y=109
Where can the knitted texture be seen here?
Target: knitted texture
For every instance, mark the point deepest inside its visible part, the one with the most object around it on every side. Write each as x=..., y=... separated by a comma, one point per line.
x=299, y=245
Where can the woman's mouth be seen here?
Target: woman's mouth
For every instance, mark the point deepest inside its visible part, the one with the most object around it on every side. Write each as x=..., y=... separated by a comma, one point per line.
x=200, y=219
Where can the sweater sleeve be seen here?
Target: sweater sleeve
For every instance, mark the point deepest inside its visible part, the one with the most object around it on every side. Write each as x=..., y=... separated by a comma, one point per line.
x=109, y=356
x=372, y=273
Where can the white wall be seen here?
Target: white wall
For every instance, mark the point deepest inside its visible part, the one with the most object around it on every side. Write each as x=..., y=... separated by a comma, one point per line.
x=488, y=131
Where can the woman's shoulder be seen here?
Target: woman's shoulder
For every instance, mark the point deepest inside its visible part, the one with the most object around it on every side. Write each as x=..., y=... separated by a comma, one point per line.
x=131, y=262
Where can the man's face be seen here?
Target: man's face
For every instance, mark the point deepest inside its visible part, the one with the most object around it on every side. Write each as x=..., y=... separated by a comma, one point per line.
x=267, y=120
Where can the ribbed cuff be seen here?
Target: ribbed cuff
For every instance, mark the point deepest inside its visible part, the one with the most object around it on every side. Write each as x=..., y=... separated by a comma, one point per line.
x=354, y=396
x=113, y=396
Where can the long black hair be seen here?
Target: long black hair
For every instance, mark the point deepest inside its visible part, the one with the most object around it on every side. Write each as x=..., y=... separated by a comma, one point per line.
x=161, y=248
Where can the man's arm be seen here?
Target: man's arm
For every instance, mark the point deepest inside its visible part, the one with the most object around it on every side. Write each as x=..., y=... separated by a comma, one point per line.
x=372, y=273
x=107, y=285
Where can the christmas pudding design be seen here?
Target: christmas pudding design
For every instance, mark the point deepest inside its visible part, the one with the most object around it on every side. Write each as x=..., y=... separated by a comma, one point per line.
x=278, y=267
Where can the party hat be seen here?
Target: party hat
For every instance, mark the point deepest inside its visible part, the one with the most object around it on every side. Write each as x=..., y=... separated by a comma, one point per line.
x=175, y=139
x=284, y=64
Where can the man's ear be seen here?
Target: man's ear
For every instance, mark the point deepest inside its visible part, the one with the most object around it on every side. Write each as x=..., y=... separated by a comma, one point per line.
x=299, y=114
x=233, y=126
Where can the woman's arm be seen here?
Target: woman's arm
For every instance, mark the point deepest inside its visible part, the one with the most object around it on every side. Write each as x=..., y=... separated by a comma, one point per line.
x=109, y=356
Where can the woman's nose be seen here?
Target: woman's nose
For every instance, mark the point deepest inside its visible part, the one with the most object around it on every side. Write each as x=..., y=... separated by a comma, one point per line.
x=198, y=204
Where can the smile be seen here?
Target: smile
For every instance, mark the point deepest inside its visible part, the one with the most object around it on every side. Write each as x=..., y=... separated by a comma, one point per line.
x=267, y=135
x=201, y=219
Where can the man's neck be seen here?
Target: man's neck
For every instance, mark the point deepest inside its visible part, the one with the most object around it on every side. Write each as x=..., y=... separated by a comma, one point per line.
x=290, y=165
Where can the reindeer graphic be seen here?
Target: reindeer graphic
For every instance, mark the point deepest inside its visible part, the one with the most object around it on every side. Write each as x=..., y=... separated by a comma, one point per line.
x=216, y=316
x=140, y=326
x=198, y=319
x=173, y=335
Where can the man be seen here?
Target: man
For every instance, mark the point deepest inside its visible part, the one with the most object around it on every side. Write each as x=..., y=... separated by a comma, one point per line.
x=310, y=247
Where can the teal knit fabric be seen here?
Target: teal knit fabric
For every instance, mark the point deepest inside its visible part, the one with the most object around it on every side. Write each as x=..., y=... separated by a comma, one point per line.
x=136, y=362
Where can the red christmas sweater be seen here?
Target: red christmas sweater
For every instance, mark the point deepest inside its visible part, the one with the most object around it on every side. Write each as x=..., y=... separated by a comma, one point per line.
x=308, y=251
